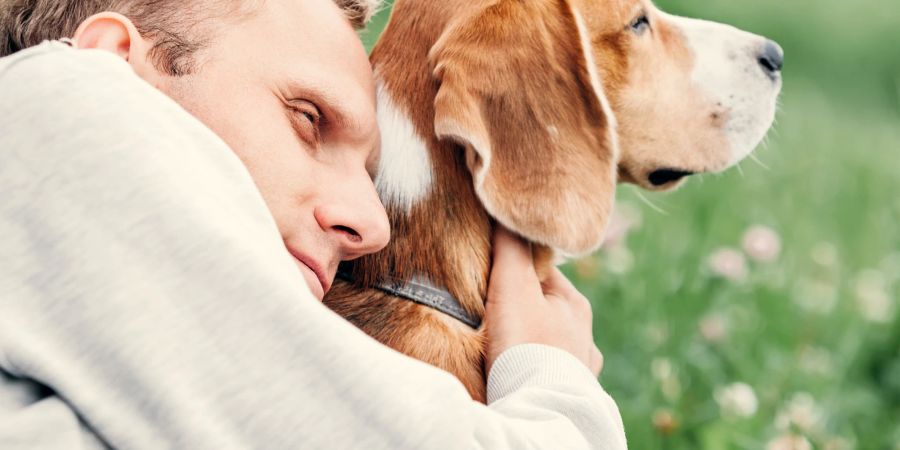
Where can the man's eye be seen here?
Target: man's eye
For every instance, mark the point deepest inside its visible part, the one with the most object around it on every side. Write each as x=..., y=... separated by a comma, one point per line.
x=312, y=116
x=640, y=25
x=307, y=121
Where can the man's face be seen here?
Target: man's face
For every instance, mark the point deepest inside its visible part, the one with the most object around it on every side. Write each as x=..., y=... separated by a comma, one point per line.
x=290, y=90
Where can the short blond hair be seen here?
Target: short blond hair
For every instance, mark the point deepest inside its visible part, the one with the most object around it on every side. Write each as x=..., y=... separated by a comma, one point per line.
x=171, y=24
x=359, y=12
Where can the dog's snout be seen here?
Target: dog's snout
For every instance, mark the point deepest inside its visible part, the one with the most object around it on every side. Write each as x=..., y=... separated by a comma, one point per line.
x=665, y=176
x=771, y=58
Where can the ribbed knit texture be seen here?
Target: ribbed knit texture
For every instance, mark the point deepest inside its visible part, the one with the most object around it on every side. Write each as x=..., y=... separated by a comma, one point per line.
x=534, y=365
x=147, y=300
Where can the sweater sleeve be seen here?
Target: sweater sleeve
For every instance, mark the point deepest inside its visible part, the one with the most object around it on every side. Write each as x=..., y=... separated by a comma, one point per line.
x=146, y=285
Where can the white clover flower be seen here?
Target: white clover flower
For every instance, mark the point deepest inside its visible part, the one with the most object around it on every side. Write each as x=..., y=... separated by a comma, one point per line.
x=802, y=412
x=872, y=298
x=714, y=328
x=619, y=260
x=789, y=442
x=817, y=361
x=664, y=373
x=762, y=244
x=671, y=388
x=661, y=368
x=656, y=334
x=737, y=400
x=728, y=263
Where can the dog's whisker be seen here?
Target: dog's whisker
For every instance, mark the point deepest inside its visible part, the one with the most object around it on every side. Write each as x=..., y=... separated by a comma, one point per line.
x=756, y=159
x=652, y=206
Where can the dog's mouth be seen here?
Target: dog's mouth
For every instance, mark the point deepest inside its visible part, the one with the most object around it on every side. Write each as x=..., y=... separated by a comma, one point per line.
x=655, y=180
x=662, y=178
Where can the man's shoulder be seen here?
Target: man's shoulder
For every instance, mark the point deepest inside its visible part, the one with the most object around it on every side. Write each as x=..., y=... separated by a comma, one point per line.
x=54, y=62
x=52, y=81
x=57, y=78
x=58, y=103
x=53, y=89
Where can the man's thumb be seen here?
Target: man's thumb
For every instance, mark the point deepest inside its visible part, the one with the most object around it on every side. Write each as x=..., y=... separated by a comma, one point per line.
x=513, y=264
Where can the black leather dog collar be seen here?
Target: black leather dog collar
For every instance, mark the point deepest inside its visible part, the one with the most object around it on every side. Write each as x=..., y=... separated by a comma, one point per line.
x=423, y=292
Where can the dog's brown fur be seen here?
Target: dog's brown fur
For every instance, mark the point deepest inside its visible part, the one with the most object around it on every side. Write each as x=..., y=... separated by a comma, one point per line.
x=518, y=131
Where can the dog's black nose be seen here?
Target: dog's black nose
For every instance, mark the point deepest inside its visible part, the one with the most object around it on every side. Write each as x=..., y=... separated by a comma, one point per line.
x=665, y=176
x=771, y=58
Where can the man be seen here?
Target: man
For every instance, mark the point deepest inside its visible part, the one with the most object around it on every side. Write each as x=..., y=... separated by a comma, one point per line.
x=151, y=294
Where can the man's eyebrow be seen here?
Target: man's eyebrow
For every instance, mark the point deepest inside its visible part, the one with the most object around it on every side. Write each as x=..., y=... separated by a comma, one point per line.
x=334, y=108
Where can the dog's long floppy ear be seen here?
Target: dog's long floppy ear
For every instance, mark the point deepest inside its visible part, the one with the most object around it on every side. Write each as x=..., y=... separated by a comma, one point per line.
x=519, y=90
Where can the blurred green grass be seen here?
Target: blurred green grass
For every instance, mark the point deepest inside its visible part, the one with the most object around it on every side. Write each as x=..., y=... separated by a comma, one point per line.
x=805, y=331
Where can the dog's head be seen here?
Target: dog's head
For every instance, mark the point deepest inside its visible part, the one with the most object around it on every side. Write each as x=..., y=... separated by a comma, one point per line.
x=555, y=101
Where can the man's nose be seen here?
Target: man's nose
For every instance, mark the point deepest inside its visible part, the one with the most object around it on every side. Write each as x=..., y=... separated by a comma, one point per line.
x=356, y=220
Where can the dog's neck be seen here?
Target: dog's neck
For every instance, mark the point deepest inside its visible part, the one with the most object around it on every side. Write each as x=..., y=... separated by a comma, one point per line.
x=440, y=230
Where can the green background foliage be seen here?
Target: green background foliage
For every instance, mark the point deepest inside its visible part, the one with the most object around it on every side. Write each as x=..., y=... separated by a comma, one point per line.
x=814, y=333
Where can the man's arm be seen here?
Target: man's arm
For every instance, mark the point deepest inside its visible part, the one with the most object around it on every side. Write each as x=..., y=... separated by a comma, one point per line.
x=145, y=282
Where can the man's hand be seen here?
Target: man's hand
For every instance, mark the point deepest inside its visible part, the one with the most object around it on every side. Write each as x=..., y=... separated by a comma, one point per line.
x=522, y=310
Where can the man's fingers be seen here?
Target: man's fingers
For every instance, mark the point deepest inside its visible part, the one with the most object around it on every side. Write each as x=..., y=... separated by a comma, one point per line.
x=509, y=247
x=513, y=264
x=557, y=283
x=521, y=309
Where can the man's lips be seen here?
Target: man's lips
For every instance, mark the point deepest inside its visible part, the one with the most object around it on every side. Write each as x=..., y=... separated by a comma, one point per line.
x=316, y=269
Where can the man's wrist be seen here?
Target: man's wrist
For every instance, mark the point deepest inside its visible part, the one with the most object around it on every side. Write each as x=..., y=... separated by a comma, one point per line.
x=526, y=365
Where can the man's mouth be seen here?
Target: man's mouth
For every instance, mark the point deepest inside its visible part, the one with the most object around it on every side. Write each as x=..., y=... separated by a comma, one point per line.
x=314, y=274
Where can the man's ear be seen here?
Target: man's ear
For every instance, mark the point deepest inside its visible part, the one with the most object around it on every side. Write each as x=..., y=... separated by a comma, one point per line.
x=117, y=34
x=519, y=90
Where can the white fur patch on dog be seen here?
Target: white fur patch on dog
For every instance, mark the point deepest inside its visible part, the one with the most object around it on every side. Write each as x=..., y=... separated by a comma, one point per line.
x=405, y=172
x=726, y=67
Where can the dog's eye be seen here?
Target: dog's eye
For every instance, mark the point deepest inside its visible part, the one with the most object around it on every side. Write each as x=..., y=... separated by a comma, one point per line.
x=640, y=25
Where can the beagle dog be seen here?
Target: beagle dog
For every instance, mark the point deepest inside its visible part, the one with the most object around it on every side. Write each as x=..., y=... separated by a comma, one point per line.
x=527, y=114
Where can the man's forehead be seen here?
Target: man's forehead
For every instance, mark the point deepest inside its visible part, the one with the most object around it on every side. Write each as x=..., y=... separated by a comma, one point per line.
x=308, y=48
x=310, y=44
x=314, y=32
